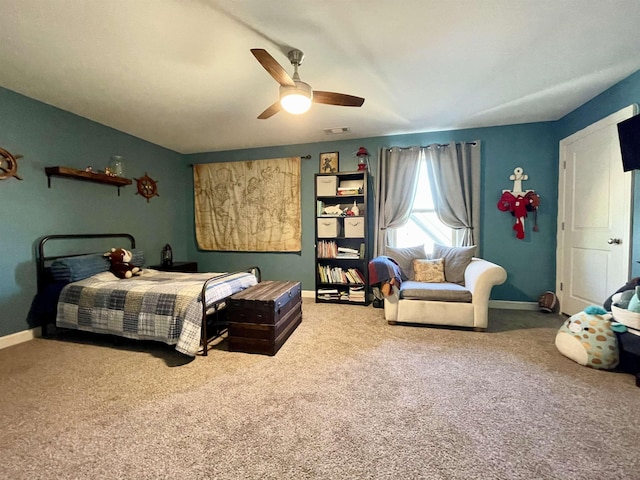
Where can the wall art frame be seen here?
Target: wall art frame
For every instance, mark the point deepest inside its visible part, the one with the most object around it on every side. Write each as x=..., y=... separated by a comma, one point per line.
x=329, y=162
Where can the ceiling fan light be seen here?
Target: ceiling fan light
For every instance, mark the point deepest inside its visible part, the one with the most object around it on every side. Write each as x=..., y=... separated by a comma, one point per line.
x=296, y=99
x=295, y=103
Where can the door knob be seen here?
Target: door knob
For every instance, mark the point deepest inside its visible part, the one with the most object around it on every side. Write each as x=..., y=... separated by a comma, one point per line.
x=617, y=241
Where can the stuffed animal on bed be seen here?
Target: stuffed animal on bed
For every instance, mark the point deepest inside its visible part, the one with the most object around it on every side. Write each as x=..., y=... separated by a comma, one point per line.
x=120, y=266
x=587, y=338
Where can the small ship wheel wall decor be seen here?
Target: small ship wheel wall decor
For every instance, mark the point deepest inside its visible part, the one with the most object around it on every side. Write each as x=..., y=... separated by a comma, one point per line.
x=8, y=165
x=147, y=187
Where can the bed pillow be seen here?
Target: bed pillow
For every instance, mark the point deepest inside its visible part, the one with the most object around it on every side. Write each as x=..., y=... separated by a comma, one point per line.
x=429, y=270
x=456, y=260
x=74, y=269
x=404, y=257
x=137, y=257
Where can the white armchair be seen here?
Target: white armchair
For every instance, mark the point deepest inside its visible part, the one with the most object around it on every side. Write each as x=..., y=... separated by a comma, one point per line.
x=447, y=303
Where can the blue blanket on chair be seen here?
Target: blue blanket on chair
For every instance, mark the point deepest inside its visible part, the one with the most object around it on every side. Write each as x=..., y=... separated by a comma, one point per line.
x=383, y=269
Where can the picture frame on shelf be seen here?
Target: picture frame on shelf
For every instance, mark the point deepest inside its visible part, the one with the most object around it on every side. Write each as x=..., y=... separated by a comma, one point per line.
x=329, y=162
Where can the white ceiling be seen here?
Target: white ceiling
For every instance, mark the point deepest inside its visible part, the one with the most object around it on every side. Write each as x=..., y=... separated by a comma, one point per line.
x=179, y=73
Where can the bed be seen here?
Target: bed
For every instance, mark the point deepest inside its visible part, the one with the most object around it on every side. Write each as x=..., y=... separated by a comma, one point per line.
x=76, y=290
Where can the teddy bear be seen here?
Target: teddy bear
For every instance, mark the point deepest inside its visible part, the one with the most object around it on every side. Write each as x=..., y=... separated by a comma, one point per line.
x=120, y=266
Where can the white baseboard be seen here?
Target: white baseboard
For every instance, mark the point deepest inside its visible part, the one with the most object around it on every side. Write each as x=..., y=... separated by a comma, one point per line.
x=500, y=304
x=509, y=305
x=26, y=335
x=19, y=337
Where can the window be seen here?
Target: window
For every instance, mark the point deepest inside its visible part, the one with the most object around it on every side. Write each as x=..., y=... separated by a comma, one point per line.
x=423, y=226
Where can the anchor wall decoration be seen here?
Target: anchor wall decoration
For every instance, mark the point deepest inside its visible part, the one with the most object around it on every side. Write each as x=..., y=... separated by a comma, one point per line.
x=519, y=202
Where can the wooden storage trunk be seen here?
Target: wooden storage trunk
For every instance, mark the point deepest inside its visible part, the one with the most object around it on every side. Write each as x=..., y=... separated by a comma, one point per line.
x=262, y=318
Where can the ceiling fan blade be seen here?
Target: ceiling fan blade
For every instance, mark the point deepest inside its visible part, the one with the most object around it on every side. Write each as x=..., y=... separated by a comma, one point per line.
x=270, y=64
x=332, y=98
x=271, y=111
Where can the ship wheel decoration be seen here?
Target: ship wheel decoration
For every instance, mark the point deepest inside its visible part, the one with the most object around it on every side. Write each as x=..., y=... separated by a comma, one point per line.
x=8, y=165
x=147, y=187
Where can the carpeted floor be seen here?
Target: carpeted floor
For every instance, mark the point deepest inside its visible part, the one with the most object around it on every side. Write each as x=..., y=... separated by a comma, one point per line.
x=347, y=397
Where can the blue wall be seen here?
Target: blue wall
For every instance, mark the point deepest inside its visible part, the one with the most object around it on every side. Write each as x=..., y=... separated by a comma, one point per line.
x=47, y=136
x=531, y=146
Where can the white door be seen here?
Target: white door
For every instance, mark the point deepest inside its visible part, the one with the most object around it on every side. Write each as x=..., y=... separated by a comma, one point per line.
x=594, y=215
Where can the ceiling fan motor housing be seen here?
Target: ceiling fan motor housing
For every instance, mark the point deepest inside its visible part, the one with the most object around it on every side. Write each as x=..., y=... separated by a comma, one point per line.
x=295, y=57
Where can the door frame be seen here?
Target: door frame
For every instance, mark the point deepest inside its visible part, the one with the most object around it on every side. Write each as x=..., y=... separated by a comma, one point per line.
x=613, y=118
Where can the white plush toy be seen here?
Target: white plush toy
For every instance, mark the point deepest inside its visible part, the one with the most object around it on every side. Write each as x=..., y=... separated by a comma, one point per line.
x=334, y=210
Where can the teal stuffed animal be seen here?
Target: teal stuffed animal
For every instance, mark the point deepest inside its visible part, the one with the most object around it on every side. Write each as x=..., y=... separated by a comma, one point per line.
x=634, y=301
x=587, y=338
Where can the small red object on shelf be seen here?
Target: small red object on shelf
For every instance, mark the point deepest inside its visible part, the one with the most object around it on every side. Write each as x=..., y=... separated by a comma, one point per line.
x=363, y=158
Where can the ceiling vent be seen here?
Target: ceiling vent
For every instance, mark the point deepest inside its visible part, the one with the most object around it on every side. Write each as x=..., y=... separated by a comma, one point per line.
x=336, y=130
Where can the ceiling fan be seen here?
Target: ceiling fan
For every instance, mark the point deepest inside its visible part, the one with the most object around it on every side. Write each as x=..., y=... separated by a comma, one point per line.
x=295, y=95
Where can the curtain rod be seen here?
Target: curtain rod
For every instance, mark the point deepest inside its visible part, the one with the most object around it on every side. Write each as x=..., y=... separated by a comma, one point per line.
x=303, y=157
x=434, y=145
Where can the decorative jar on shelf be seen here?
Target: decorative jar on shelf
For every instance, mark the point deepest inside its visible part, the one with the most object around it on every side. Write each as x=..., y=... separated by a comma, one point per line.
x=116, y=166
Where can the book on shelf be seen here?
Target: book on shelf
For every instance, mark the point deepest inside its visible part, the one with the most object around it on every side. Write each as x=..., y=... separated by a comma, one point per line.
x=348, y=191
x=347, y=255
x=356, y=275
x=345, y=252
x=354, y=184
x=357, y=294
x=328, y=274
x=354, y=294
x=327, y=291
x=328, y=294
x=327, y=249
x=351, y=187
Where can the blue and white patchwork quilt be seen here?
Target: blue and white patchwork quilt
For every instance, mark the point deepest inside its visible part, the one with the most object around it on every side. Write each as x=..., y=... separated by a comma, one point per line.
x=162, y=306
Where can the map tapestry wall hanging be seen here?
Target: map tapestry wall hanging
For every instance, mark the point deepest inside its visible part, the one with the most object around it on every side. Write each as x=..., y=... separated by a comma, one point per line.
x=250, y=206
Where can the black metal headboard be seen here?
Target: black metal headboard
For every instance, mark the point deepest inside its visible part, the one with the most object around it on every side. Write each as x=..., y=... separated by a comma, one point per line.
x=43, y=260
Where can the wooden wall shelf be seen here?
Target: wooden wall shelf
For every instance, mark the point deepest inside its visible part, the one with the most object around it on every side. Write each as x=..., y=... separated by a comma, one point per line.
x=86, y=176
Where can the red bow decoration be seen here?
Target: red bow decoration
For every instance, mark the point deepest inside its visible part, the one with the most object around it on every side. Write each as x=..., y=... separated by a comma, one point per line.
x=518, y=206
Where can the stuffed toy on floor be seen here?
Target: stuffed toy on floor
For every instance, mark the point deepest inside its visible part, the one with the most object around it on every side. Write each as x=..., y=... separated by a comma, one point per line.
x=587, y=338
x=120, y=266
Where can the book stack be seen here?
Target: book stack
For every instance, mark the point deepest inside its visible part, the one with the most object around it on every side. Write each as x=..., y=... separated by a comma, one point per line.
x=328, y=294
x=344, y=252
x=350, y=187
x=349, y=191
x=357, y=294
